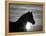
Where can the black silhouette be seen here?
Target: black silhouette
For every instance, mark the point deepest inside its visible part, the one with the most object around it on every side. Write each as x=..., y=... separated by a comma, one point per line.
x=18, y=26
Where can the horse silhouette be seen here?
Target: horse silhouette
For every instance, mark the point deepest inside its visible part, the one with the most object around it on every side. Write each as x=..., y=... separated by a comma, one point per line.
x=19, y=25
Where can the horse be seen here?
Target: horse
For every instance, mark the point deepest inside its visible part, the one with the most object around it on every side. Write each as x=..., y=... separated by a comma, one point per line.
x=19, y=25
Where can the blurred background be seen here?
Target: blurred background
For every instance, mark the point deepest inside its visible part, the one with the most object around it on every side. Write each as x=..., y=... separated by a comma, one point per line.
x=17, y=10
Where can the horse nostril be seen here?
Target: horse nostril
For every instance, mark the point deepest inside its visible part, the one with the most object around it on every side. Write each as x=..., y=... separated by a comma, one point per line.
x=33, y=22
